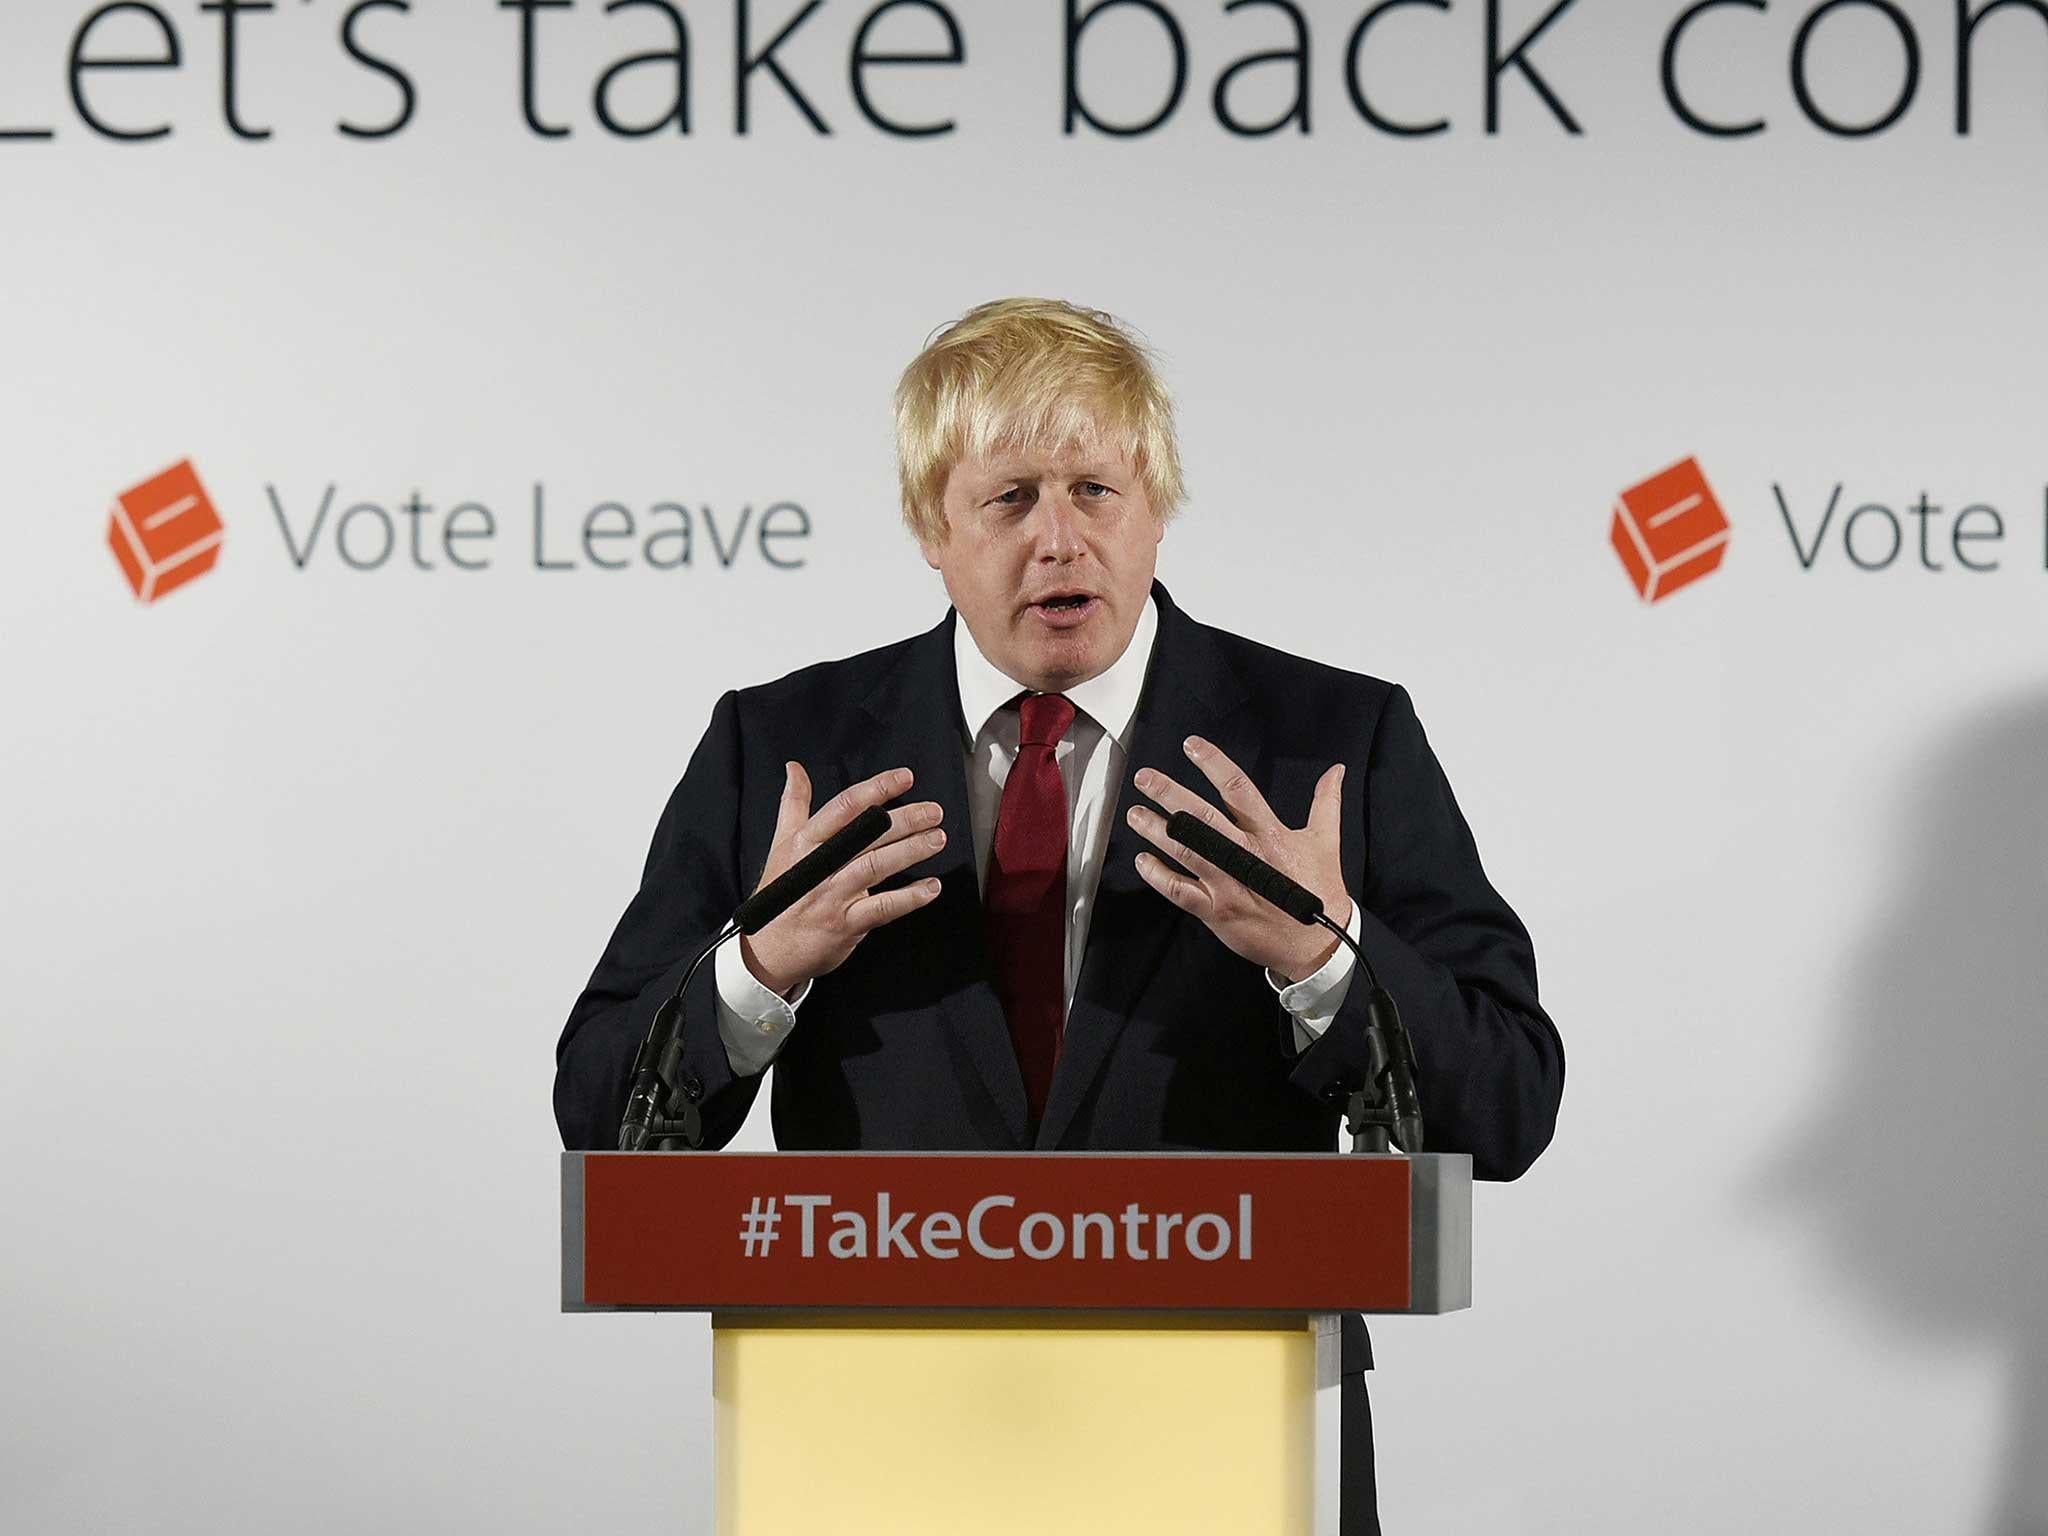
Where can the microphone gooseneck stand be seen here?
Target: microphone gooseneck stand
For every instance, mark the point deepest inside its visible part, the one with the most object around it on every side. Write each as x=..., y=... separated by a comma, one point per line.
x=661, y=1109
x=1381, y=1106
x=661, y=1105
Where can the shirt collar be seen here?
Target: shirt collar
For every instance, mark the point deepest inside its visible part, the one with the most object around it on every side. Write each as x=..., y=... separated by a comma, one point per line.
x=1110, y=700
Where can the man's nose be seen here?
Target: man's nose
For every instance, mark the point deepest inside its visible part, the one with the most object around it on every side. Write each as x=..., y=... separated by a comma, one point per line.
x=1059, y=530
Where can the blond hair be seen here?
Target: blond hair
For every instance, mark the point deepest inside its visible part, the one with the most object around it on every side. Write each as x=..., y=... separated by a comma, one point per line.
x=1029, y=373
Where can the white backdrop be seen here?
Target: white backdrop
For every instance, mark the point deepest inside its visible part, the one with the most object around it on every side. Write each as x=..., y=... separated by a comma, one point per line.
x=304, y=866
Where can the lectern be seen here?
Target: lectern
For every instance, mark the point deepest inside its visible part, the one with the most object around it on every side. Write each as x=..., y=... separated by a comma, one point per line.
x=1016, y=1342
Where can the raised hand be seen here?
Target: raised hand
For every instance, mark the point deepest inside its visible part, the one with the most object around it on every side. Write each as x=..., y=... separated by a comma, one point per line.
x=1311, y=856
x=816, y=935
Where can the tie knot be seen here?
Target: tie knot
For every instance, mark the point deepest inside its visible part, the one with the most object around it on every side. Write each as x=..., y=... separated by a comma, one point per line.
x=1044, y=718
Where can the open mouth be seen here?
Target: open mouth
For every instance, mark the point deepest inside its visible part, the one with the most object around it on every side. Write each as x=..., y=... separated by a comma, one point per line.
x=1065, y=610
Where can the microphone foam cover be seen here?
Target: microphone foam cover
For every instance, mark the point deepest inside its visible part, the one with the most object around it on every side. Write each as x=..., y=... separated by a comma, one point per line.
x=1244, y=866
x=811, y=871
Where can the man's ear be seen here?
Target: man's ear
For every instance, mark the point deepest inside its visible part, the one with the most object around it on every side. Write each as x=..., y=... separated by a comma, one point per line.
x=930, y=547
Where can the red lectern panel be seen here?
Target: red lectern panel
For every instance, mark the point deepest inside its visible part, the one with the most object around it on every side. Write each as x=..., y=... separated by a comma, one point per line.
x=1263, y=1232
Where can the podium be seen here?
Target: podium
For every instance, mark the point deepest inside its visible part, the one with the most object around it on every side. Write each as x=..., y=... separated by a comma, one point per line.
x=1016, y=1342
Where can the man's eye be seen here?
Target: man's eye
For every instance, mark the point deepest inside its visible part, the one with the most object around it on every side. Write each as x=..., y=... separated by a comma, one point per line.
x=1013, y=497
x=1095, y=489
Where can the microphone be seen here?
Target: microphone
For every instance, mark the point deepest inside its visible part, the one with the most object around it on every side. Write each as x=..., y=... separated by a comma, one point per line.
x=1304, y=906
x=811, y=871
x=1244, y=866
x=661, y=1053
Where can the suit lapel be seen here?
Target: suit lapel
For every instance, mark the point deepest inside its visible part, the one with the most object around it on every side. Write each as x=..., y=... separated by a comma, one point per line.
x=1189, y=690
x=918, y=725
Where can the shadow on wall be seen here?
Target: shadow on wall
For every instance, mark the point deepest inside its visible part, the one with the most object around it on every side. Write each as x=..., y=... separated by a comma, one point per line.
x=1927, y=1165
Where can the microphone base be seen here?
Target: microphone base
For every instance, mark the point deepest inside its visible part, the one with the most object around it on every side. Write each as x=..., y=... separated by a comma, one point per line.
x=1370, y=1119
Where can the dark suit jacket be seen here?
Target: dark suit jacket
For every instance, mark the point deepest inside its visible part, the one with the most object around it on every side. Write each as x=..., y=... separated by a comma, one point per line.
x=1172, y=1041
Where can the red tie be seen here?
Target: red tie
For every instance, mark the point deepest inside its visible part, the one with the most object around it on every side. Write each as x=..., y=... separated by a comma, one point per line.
x=1026, y=895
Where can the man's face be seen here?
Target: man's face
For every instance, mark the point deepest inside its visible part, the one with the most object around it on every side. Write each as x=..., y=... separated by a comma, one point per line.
x=1048, y=556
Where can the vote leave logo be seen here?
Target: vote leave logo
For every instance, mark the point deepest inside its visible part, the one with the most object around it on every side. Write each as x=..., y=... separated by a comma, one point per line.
x=164, y=532
x=1669, y=531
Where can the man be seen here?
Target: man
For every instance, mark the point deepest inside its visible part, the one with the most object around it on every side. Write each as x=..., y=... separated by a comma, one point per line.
x=1015, y=963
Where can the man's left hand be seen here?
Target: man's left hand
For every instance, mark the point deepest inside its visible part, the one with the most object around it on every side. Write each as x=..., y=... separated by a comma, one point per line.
x=1310, y=856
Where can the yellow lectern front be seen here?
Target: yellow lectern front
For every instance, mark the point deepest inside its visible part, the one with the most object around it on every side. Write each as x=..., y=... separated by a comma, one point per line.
x=1037, y=1423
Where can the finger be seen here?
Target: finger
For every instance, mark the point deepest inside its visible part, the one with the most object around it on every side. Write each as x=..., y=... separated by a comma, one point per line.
x=1151, y=826
x=871, y=912
x=909, y=820
x=795, y=807
x=843, y=807
x=1327, y=809
x=1184, y=893
x=1241, y=796
x=1175, y=797
x=882, y=861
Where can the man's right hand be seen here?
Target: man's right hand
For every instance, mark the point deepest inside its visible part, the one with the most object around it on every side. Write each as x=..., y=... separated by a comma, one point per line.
x=817, y=934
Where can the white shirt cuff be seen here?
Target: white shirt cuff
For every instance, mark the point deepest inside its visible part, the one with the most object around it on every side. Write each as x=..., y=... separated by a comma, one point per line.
x=1314, y=1000
x=752, y=1021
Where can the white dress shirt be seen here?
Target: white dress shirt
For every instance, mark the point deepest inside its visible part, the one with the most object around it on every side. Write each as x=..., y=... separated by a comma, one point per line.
x=754, y=1021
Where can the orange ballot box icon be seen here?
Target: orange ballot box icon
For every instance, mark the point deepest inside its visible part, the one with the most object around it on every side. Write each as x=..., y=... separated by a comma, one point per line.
x=1669, y=531
x=165, y=531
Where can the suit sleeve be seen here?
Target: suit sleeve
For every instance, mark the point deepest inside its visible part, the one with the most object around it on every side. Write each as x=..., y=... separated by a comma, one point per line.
x=1458, y=962
x=689, y=889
